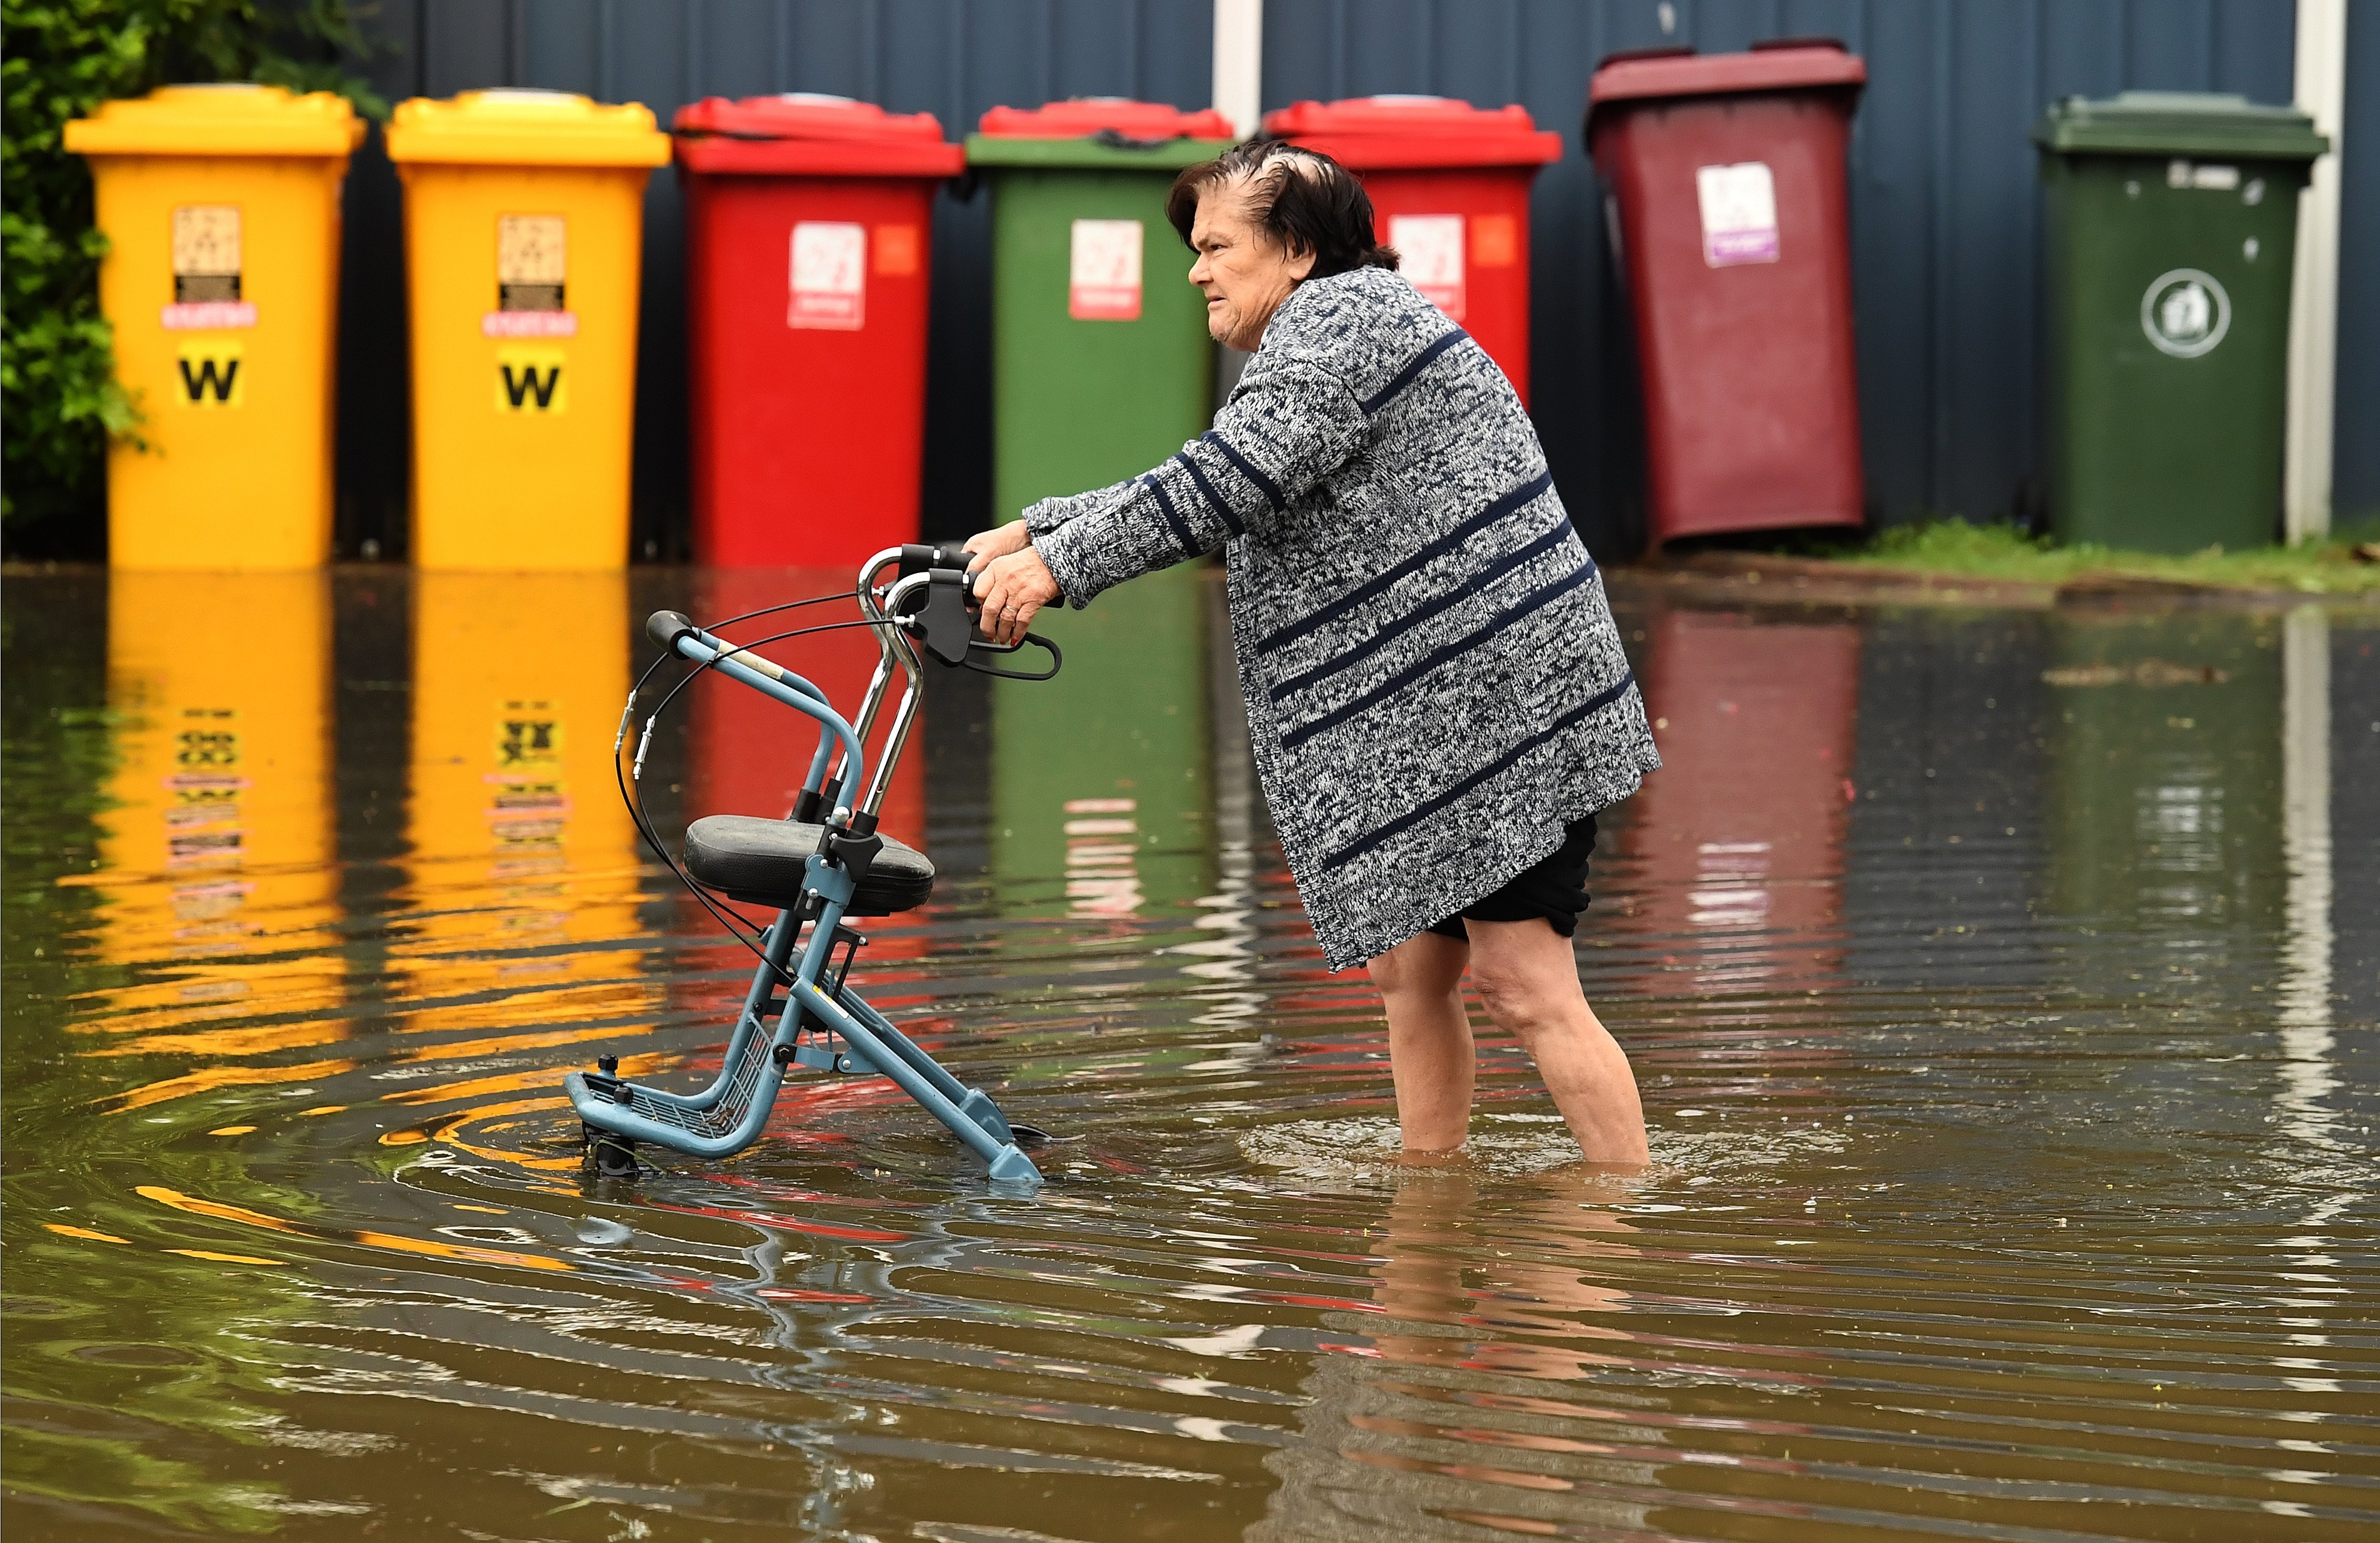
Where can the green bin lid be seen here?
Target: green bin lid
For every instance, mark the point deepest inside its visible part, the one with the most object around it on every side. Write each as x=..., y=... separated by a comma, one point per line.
x=2178, y=123
x=1101, y=132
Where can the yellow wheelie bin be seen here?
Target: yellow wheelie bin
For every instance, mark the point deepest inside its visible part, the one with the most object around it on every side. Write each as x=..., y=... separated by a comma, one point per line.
x=221, y=207
x=523, y=215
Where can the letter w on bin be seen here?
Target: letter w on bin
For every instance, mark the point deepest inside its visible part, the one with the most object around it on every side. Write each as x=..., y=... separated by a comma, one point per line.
x=1726, y=182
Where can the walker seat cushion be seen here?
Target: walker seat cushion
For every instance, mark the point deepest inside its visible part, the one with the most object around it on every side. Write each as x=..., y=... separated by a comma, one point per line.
x=761, y=862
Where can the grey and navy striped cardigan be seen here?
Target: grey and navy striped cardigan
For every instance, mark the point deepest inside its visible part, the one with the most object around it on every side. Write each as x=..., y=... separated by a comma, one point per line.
x=1435, y=687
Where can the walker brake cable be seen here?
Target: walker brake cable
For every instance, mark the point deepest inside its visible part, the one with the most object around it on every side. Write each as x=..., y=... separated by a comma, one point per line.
x=629, y=713
x=634, y=804
x=645, y=742
x=772, y=610
x=726, y=919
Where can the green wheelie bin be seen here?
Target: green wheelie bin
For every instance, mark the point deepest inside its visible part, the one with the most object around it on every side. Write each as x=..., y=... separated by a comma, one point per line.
x=1101, y=368
x=2171, y=223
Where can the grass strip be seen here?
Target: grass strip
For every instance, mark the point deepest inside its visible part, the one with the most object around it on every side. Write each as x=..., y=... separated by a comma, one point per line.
x=2347, y=562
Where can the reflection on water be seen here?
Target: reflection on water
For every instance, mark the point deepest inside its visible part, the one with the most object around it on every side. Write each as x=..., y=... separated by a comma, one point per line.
x=524, y=862
x=1742, y=838
x=2003, y=987
x=1100, y=779
x=215, y=853
x=2169, y=793
x=1450, y=1400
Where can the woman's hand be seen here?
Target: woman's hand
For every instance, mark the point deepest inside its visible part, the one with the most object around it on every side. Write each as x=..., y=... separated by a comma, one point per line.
x=1012, y=588
x=999, y=542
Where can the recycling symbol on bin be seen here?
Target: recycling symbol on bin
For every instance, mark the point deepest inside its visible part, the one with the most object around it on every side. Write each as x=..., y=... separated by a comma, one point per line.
x=2185, y=312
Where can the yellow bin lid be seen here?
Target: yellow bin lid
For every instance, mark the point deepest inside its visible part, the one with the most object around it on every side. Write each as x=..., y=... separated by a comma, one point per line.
x=234, y=119
x=526, y=128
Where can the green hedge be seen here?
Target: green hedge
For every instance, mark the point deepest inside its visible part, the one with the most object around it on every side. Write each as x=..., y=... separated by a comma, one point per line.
x=59, y=399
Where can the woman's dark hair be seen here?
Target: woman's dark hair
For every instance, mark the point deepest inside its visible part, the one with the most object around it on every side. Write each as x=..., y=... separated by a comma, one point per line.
x=1302, y=198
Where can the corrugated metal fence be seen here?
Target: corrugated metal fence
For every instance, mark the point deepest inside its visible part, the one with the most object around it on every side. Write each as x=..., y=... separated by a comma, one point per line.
x=1946, y=218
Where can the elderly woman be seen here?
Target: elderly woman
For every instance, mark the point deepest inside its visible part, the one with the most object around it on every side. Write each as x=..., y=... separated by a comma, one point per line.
x=1437, y=695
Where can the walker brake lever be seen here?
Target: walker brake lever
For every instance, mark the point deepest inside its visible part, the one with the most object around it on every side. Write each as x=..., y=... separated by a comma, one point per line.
x=975, y=663
x=944, y=621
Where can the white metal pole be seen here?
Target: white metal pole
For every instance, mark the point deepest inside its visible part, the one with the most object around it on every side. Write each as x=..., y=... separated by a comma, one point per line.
x=1239, y=96
x=2313, y=310
x=1239, y=63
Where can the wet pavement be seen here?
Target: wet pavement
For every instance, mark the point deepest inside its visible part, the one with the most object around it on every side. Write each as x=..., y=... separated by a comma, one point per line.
x=2004, y=988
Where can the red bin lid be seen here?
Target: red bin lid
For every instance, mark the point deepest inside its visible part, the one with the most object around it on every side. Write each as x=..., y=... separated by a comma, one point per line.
x=1377, y=133
x=1788, y=64
x=1086, y=115
x=803, y=133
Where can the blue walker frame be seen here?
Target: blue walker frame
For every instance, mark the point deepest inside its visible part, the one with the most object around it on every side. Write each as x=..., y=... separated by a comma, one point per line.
x=818, y=1008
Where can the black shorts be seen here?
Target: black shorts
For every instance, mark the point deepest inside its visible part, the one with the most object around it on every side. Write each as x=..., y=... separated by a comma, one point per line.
x=1554, y=889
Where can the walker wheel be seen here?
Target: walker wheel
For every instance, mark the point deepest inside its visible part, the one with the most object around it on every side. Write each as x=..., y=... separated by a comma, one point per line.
x=612, y=1156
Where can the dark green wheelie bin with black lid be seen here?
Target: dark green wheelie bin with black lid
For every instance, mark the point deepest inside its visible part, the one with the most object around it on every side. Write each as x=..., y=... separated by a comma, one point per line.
x=2173, y=221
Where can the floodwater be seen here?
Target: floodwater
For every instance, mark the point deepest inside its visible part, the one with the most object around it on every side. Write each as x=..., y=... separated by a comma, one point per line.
x=2003, y=987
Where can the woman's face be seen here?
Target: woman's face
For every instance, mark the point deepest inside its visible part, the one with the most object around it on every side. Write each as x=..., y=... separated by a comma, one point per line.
x=1244, y=273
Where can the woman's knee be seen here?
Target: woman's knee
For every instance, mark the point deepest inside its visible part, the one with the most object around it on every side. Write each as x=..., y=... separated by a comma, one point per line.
x=1525, y=989
x=1518, y=1003
x=1428, y=965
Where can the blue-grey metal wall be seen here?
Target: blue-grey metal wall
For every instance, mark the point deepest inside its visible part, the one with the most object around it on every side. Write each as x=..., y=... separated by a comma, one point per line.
x=1945, y=213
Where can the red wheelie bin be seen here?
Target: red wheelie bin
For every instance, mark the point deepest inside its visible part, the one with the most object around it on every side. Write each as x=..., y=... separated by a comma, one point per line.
x=808, y=238
x=1450, y=190
x=1726, y=173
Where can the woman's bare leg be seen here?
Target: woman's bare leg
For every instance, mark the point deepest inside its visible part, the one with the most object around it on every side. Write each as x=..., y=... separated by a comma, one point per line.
x=1527, y=979
x=1430, y=1055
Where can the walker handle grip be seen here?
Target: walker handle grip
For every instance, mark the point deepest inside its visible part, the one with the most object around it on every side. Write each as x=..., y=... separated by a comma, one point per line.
x=916, y=558
x=666, y=628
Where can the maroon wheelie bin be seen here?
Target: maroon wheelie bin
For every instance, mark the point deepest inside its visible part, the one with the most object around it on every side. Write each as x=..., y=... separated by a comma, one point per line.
x=1727, y=181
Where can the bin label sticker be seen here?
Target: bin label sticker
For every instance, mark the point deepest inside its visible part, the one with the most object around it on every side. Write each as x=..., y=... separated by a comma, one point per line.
x=206, y=270
x=898, y=251
x=2206, y=179
x=209, y=374
x=1431, y=248
x=1739, y=208
x=206, y=252
x=207, y=316
x=532, y=262
x=529, y=379
x=528, y=323
x=1495, y=241
x=2185, y=312
x=1103, y=271
x=830, y=276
